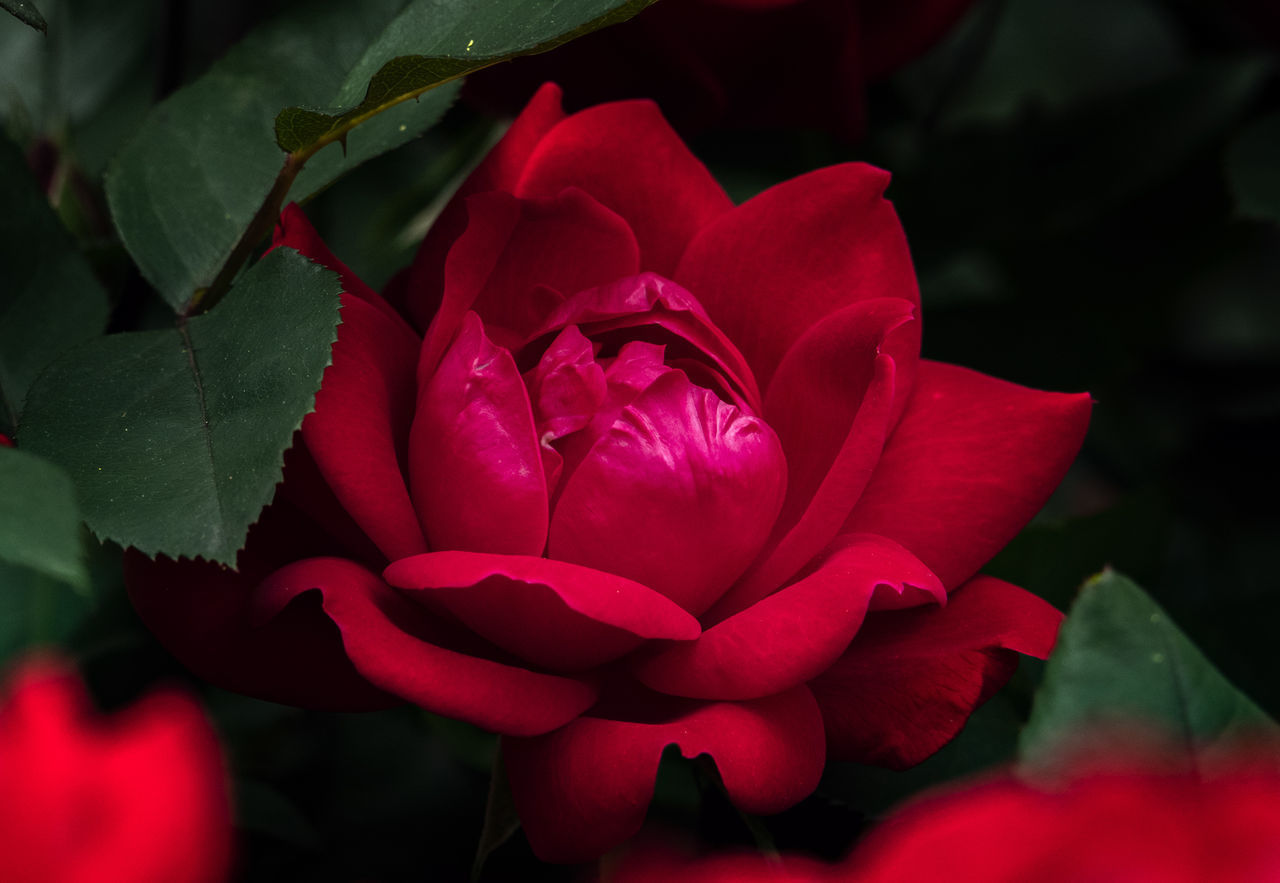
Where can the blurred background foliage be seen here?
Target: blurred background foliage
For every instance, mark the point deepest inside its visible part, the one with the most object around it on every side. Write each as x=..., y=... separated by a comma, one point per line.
x=1091, y=190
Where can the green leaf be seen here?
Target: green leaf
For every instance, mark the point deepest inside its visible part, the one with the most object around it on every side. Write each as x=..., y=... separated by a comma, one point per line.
x=1120, y=661
x=49, y=300
x=186, y=189
x=447, y=41
x=174, y=438
x=1253, y=171
x=39, y=525
x=25, y=12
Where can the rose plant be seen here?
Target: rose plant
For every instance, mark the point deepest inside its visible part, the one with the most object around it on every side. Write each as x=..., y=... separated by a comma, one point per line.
x=139, y=797
x=617, y=464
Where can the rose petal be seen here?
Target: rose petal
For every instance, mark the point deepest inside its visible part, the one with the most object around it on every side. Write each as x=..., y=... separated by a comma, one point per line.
x=475, y=465
x=911, y=678
x=554, y=614
x=972, y=461
x=648, y=299
x=679, y=494
x=626, y=156
x=832, y=403
x=566, y=386
x=771, y=268
x=388, y=639
x=794, y=634
x=294, y=230
x=359, y=431
x=514, y=252
x=584, y=788
x=199, y=611
x=499, y=170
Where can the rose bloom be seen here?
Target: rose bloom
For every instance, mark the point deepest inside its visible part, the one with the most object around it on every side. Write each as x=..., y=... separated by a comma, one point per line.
x=139, y=797
x=735, y=63
x=658, y=470
x=1124, y=825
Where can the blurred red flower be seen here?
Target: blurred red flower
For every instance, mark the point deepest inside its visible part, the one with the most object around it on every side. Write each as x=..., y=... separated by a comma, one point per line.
x=137, y=797
x=1125, y=824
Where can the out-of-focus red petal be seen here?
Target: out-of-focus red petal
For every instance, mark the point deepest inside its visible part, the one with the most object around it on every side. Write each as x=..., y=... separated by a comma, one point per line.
x=517, y=256
x=141, y=796
x=359, y=432
x=500, y=170
x=678, y=494
x=794, y=634
x=771, y=268
x=584, y=788
x=554, y=614
x=972, y=461
x=389, y=640
x=626, y=156
x=475, y=465
x=911, y=678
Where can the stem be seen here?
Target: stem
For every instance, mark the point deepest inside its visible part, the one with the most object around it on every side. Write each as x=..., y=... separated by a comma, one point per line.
x=259, y=228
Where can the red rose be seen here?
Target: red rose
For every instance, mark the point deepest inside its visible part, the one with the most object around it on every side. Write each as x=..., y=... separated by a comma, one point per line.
x=138, y=798
x=712, y=63
x=640, y=481
x=1137, y=825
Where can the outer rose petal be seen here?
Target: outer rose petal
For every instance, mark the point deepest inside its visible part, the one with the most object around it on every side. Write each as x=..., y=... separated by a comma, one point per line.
x=514, y=250
x=626, y=156
x=911, y=678
x=972, y=461
x=833, y=403
x=359, y=432
x=792, y=635
x=771, y=268
x=141, y=797
x=500, y=170
x=584, y=788
x=554, y=614
x=678, y=494
x=475, y=464
x=294, y=230
x=650, y=864
x=389, y=640
x=199, y=611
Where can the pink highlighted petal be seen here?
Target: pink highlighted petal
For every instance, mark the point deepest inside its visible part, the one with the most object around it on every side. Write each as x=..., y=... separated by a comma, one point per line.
x=390, y=641
x=678, y=494
x=972, y=461
x=793, y=635
x=584, y=788
x=626, y=156
x=551, y=613
x=649, y=299
x=911, y=678
x=475, y=464
x=771, y=268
